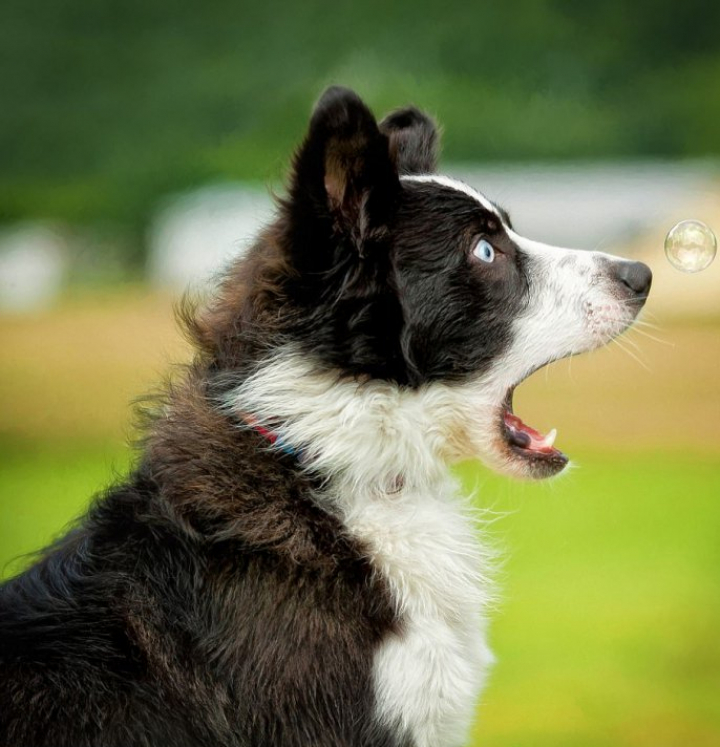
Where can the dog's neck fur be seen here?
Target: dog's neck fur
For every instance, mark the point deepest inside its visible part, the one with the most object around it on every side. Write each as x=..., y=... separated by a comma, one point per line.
x=367, y=435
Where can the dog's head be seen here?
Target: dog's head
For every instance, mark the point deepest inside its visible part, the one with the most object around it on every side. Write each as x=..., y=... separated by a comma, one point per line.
x=388, y=275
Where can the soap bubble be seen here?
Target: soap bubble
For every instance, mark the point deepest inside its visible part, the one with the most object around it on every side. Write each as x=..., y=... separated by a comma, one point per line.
x=690, y=246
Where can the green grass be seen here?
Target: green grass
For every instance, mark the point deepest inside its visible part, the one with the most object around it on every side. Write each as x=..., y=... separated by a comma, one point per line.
x=43, y=488
x=606, y=631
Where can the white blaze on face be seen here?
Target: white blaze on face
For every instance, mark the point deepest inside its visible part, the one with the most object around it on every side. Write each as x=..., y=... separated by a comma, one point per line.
x=458, y=186
x=572, y=307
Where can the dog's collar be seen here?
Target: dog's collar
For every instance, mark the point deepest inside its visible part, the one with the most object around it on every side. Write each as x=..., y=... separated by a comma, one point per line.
x=272, y=436
x=277, y=441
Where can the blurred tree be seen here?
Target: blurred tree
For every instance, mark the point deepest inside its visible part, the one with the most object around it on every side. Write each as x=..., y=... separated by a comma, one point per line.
x=105, y=106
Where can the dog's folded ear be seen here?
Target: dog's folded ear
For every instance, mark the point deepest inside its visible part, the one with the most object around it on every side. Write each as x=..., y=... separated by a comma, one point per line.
x=344, y=175
x=413, y=139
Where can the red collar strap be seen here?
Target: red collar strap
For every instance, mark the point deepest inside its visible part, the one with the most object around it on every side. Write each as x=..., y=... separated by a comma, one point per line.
x=276, y=440
x=272, y=436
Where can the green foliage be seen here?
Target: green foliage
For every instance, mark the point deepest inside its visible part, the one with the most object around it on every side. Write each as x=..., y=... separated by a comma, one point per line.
x=108, y=105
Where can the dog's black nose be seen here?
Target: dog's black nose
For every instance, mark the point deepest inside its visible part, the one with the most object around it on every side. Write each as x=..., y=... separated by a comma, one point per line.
x=635, y=275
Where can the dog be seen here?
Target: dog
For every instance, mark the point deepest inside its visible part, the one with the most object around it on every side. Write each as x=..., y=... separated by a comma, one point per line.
x=290, y=562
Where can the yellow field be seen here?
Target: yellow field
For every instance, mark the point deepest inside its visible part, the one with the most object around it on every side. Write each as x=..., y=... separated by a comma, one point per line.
x=607, y=629
x=72, y=374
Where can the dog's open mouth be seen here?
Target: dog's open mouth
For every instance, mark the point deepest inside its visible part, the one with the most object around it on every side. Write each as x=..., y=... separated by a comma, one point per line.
x=538, y=451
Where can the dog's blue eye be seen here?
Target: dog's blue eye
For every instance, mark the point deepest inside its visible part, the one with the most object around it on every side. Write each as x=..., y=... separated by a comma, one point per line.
x=484, y=251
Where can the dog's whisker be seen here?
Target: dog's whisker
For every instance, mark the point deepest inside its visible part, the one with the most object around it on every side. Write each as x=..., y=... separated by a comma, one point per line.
x=643, y=323
x=646, y=334
x=635, y=357
x=632, y=343
x=633, y=301
x=638, y=330
x=569, y=366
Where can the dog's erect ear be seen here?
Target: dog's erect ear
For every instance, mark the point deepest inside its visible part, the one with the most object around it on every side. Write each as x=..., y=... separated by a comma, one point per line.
x=343, y=171
x=413, y=140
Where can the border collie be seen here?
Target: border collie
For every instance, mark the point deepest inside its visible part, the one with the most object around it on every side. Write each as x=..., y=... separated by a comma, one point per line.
x=290, y=562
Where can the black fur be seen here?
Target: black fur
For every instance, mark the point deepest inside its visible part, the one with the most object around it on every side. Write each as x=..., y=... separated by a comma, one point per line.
x=413, y=140
x=209, y=600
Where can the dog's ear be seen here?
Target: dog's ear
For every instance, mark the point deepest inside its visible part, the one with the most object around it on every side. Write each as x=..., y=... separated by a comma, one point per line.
x=414, y=140
x=344, y=176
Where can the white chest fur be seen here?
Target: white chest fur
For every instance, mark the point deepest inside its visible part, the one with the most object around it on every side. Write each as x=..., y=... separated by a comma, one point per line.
x=425, y=546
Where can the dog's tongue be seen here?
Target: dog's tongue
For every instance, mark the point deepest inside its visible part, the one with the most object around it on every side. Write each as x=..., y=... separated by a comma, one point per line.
x=528, y=438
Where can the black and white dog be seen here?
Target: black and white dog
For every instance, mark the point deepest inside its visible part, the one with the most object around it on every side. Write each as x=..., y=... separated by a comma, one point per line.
x=290, y=563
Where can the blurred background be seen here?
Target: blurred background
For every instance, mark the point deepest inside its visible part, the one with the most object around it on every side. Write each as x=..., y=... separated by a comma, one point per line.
x=139, y=146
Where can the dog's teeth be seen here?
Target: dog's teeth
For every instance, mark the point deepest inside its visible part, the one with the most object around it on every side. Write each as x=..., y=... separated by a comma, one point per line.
x=549, y=440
